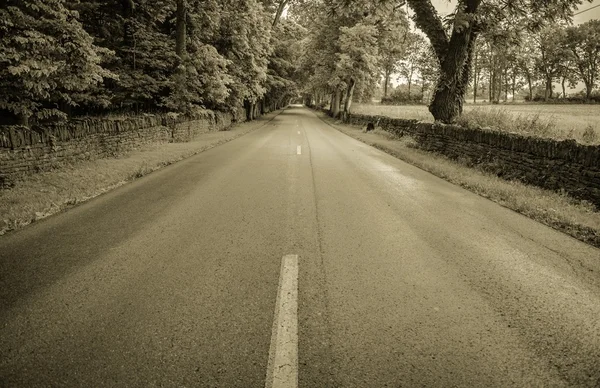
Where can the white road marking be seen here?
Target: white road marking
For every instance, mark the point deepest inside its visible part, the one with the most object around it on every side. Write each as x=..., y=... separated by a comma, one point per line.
x=282, y=370
x=299, y=150
x=298, y=132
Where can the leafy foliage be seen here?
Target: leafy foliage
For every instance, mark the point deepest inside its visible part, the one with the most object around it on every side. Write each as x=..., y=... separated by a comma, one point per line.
x=124, y=55
x=583, y=44
x=46, y=58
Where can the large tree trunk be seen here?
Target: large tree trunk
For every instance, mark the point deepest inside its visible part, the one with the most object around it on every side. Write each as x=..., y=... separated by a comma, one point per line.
x=588, y=90
x=514, y=84
x=280, y=9
x=475, y=76
x=564, y=91
x=449, y=95
x=387, y=81
x=498, y=86
x=548, y=91
x=530, y=85
x=348, y=98
x=455, y=56
x=180, y=27
x=506, y=85
x=335, y=109
x=410, y=77
x=490, y=86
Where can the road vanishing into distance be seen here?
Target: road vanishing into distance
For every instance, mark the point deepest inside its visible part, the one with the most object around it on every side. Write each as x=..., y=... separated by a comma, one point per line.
x=296, y=256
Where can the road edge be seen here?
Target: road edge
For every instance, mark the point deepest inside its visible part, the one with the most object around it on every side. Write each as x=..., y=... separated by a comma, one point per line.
x=580, y=232
x=9, y=226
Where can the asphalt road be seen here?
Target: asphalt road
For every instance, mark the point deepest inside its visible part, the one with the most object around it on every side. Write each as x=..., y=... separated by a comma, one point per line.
x=404, y=279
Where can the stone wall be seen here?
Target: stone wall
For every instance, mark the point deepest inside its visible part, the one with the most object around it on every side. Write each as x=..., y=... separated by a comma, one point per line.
x=555, y=165
x=28, y=150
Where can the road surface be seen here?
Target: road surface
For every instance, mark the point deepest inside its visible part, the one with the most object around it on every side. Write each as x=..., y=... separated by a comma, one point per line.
x=376, y=274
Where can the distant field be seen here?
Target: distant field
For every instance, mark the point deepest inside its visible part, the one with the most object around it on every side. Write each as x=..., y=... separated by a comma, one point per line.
x=553, y=120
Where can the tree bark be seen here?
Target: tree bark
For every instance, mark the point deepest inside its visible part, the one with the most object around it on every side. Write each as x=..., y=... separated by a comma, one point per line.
x=505, y=84
x=348, y=98
x=180, y=27
x=428, y=21
x=410, y=77
x=448, y=98
x=455, y=56
x=588, y=90
x=548, y=91
x=387, y=81
x=491, y=78
x=335, y=109
x=280, y=9
x=514, y=84
x=529, y=84
x=475, y=76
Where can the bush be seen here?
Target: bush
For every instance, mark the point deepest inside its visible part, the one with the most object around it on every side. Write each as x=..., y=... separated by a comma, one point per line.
x=577, y=98
x=400, y=97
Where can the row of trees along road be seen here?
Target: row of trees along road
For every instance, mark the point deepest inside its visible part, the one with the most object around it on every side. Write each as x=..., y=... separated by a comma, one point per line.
x=509, y=59
x=70, y=57
x=339, y=69
x=64, y=57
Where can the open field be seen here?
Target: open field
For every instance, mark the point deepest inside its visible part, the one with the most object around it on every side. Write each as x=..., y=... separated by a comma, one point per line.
x=579, y=122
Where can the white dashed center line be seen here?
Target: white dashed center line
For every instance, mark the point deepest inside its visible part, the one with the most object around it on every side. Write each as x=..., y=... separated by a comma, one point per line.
x=282, y=370
x=299, y=150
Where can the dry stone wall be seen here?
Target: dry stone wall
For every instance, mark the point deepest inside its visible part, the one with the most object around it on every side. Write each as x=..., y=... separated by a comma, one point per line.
x=28, y=150
x=555, y=165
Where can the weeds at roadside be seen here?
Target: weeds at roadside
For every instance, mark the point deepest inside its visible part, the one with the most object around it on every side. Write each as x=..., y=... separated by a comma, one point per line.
x=504, y=121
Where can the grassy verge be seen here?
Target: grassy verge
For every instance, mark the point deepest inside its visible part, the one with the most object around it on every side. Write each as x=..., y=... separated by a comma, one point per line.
x=561, y=212
x=34, y=197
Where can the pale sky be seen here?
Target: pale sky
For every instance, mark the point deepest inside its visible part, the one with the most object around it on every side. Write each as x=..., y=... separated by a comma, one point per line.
x=445, y=7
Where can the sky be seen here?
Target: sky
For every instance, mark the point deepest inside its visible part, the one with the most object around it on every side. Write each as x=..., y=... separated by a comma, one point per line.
x=445, y=7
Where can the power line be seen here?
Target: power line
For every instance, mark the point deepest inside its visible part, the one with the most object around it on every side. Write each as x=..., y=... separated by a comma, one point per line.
x=585, y=10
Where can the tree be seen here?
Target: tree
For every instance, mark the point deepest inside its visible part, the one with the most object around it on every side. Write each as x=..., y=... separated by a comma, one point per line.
x=552, y=56
x=46, y=58
x=343, y=52
x=583, y=42
x=454, y=50
x=395, y=41
x=283, y=75
x=408, y=66
x=525, y=60
x=141, y=34
x=428, y=69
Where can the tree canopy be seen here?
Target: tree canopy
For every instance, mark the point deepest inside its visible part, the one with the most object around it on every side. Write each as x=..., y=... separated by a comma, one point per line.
x=71, y=57
x=62, y=57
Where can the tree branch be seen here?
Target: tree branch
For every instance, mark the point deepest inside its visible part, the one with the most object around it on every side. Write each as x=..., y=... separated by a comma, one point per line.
x=428, y=21
x=280, y=9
